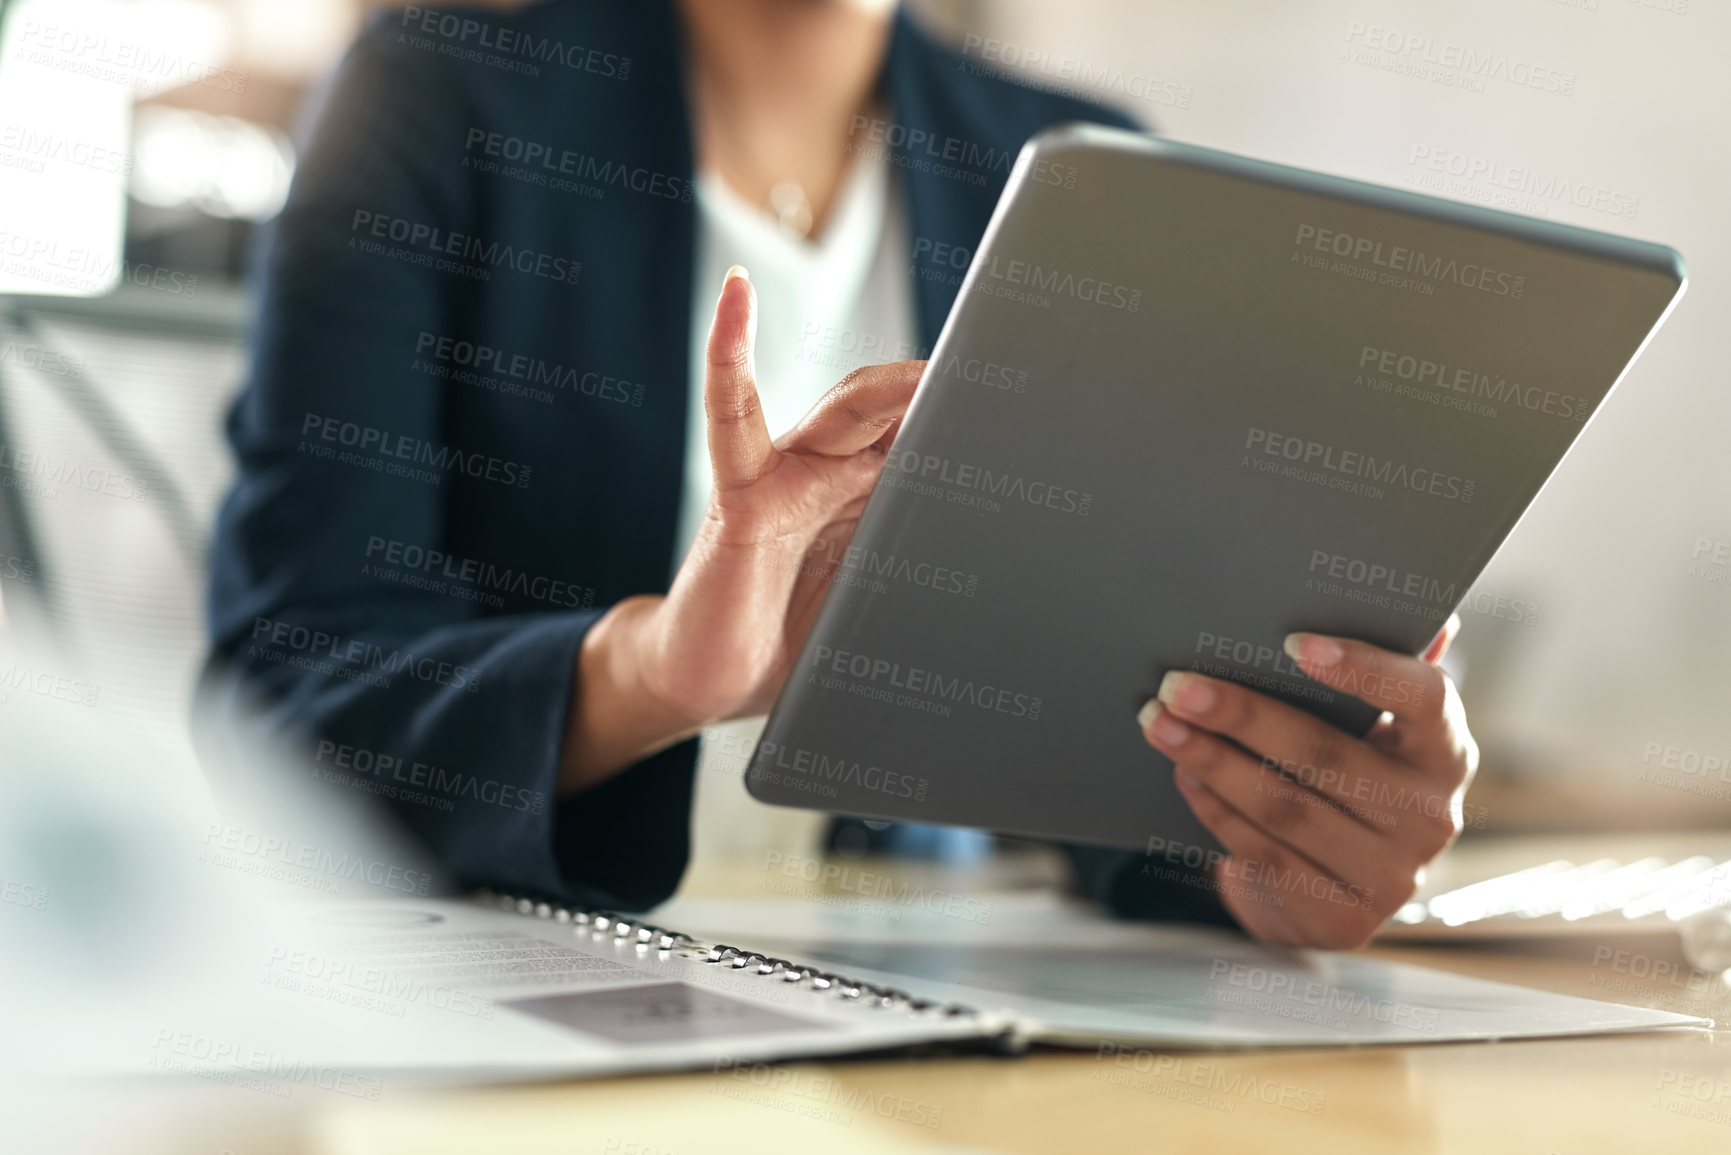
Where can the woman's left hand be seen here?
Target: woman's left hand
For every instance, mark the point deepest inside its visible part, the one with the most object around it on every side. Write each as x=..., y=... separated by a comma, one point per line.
x=1328, y=835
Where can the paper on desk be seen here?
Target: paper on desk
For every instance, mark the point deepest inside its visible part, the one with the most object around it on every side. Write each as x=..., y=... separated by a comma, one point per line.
x=346, y=996
x=1081, y=978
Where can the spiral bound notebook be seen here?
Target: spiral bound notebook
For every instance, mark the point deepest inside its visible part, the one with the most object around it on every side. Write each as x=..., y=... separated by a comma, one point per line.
x=510, y=988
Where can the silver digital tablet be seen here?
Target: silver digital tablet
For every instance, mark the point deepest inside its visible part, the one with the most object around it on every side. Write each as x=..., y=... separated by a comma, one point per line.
x=1185, y=404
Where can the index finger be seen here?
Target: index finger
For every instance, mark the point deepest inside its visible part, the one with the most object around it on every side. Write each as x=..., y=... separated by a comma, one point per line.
x=739, y=446
x=1411, y=689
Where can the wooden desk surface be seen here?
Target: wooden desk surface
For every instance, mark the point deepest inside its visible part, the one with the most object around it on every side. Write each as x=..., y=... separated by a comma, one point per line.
x=1667, y=1092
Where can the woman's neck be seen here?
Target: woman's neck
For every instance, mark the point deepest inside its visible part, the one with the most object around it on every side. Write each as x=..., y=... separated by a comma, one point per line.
x=776, y=85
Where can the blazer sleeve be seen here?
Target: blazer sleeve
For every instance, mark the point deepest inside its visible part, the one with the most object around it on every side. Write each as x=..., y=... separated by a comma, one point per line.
x=1136, y=886
x=316, y=658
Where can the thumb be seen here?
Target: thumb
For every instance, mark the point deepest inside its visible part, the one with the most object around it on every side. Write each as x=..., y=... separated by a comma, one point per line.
x=1440, y=644
x=739, y=447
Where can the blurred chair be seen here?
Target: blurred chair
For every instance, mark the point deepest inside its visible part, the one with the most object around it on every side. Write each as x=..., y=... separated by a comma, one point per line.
x=111, y=465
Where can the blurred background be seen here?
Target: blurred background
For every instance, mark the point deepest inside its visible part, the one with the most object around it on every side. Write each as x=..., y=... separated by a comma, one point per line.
x=1596, y=654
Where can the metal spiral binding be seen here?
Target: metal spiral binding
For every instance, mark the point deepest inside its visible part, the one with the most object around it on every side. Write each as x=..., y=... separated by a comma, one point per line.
x=624, y=929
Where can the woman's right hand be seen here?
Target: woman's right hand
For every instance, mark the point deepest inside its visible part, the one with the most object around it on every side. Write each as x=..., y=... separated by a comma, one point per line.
x=722, y=641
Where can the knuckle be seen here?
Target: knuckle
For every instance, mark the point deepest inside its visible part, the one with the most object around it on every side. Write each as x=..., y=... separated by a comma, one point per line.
x=1434, y=691
x=853, y=382
x=859, y=416
x=1284, y=806
x=1396, y=891
x=1235, y=708
x=1210, y=810
x=738, y=358
x=733, y=358
x=1278, y=860
x=1363, y=928
x=734, y=408
x=1325, y=747
x=1450, y=707
x=1442, y=828
x=1402, y=875
x=1202, y=756
x=1469, y=759
x=868, y=380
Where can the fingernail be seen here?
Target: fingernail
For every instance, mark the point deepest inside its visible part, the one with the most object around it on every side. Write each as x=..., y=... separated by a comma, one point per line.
x=751, y=310
x=1165, y=729
x=1187, y=692
x=1186, y=780
x=1314, y=649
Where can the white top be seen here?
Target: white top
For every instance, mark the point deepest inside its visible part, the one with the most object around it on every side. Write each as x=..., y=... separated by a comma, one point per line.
x=824, y=308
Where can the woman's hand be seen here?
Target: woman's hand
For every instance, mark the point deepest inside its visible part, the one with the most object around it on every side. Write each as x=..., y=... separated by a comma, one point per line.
x=1328, y=835
x=654, y=670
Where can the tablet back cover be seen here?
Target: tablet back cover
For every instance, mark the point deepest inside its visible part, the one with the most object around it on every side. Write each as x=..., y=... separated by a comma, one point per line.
x=1185, y=404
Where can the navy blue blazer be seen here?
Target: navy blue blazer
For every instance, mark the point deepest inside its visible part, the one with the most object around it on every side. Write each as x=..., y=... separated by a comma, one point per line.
x=462, y=436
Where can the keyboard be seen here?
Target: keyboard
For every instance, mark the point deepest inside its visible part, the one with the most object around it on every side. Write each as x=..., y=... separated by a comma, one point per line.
x=1579, y=886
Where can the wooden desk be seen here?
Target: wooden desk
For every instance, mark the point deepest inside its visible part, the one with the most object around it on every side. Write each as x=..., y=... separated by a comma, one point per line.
x=1611, y=1094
